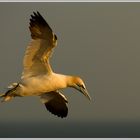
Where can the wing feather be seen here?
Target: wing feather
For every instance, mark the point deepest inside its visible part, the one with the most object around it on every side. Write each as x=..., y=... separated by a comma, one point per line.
x=56, y=103
x=40, y=47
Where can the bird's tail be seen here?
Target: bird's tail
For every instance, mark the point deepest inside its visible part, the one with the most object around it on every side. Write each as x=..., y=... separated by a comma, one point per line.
x=2, y=95
x=5, y=97
x=9, y=94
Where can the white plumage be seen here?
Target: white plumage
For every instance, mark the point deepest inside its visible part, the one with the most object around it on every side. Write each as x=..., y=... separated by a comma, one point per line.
x=38, y=78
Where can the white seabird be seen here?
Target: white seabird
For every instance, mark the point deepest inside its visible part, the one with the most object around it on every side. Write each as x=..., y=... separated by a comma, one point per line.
x=38, y=77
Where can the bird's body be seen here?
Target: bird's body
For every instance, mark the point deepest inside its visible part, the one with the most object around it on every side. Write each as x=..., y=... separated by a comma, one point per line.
x=38, y=78
x=42, y=84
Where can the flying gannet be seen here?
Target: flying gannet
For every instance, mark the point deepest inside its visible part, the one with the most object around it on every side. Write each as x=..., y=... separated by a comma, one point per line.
x=38, y=78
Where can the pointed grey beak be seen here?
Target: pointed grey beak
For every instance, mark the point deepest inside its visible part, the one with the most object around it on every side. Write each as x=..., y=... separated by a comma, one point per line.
x=84, y=91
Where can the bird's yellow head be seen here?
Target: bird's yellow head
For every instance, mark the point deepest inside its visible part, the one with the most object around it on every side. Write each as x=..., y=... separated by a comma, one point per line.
x=77, y=83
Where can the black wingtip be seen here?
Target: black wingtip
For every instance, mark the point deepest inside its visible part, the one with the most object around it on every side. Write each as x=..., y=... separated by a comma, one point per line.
x=37, y=19
x=60, y=112
x=35, y=13
x=38, y=13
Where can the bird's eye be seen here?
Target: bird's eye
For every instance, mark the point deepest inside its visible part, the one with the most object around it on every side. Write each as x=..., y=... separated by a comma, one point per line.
x=55, y=37
x=81, y=86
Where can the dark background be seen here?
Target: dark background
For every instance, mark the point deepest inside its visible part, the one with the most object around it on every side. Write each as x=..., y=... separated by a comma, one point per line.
x=99, y=42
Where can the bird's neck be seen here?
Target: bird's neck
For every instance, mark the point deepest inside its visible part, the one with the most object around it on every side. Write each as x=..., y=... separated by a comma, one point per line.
x=67, y=80
x=70, y=80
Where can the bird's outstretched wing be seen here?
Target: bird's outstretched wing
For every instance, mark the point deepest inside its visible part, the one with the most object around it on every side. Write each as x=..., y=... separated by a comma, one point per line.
x=36, y=59
x=56, y=103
